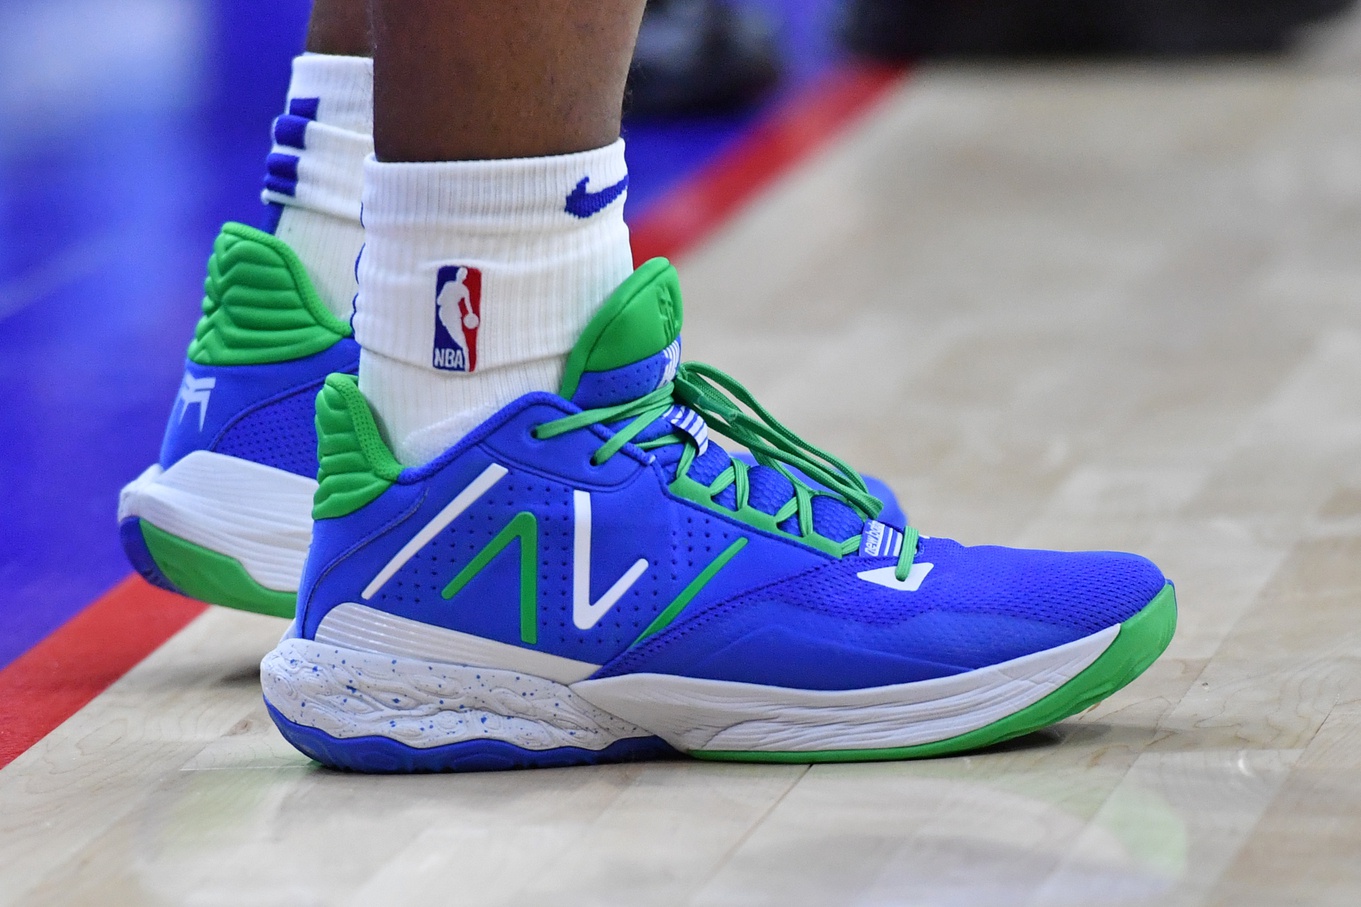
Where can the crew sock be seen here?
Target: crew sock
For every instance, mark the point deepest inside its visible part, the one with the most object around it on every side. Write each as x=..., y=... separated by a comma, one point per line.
x=476, y=279
x=315, y=171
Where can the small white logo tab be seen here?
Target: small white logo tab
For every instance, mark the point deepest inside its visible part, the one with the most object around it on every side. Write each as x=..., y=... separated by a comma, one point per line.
x=880, y=540
x=885, y=576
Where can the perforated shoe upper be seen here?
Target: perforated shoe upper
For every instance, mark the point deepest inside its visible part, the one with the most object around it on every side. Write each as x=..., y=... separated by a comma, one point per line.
x=261, y=350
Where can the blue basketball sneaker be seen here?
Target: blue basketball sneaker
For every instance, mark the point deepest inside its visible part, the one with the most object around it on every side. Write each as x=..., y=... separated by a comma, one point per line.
x=225, y=516
x=591, y=577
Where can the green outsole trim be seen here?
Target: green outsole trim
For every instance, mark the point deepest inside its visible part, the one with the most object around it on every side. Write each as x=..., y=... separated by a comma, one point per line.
x=1141, y=640
x=354, y=465
x=212, y=577
x=259, y=305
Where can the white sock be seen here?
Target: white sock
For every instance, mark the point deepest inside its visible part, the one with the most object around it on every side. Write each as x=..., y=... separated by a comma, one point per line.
x=518, y=254
x=315, y=172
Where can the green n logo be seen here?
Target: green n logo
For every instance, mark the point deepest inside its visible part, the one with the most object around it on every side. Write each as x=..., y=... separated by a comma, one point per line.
x=525, y=529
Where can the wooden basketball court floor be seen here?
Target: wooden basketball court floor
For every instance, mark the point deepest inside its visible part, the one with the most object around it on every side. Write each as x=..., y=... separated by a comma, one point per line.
x=1081, y=306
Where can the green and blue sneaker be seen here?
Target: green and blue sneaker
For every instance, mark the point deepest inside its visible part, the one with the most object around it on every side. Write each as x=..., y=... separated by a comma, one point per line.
x=225, y=516
x=590, y=577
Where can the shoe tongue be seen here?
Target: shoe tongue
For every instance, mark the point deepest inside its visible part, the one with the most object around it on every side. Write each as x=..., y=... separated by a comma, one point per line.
x=632, y=347
x=629, y=339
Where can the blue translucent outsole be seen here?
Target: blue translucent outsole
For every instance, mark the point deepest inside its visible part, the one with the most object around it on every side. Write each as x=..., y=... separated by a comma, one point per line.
x=379, y=755
x=139, y=555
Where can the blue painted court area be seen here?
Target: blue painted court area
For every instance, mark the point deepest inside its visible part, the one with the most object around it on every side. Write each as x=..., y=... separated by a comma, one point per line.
x=129, y=130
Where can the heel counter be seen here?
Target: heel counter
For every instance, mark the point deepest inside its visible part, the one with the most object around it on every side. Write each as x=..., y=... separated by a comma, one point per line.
x=259, y=305
x=354, y=465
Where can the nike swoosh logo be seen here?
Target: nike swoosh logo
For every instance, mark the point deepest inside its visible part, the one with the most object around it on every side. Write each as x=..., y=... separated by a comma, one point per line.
x=583, y=204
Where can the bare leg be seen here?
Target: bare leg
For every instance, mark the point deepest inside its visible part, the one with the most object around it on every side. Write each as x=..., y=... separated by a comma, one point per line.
x=486, y=79
x=340, y=27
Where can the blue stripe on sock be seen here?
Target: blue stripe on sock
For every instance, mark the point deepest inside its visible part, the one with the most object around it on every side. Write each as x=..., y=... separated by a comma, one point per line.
x=304, y=107
x=273, y=211
x=291, y=131
x=281, y=173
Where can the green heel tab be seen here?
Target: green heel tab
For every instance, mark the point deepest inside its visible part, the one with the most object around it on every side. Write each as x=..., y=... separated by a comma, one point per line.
x=354, y=464
x=259, y=305
x=638, y=320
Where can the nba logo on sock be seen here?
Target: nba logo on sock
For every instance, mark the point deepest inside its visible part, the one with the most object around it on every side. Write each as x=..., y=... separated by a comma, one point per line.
x=458, y=312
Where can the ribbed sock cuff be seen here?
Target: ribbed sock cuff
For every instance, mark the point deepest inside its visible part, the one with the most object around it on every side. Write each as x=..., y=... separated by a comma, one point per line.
x=323, y=137
x=545, y=239
x=344, y=86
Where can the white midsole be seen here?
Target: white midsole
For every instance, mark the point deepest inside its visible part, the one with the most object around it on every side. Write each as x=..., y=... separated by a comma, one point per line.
x=365, y=629
x=256, y=514
x=695, y=714
x=351, y=693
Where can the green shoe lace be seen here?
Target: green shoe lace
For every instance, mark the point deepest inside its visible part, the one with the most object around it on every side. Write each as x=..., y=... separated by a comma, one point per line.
x=720, y=399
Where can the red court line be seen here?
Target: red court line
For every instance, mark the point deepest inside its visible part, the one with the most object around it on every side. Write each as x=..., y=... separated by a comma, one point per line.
x=84, y=656
x=696, y=208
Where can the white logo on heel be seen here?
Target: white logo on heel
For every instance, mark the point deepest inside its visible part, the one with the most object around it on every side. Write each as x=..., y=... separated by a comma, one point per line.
x=195, y=392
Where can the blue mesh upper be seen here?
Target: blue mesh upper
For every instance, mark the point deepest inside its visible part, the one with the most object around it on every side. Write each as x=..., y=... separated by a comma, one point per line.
x=1079, y=593
x=769, y=489
x=619, y=385
x=978, y=606
x=281, y=434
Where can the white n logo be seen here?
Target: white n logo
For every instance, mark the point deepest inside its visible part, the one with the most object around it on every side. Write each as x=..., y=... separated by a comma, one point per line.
x=586, y=613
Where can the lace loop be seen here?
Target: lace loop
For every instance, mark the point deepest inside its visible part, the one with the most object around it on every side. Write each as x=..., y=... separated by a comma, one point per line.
x=905, y=556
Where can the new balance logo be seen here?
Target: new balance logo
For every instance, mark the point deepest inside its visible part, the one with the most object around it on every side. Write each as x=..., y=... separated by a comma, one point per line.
x=880, y=540
x=690, y=422
x=524, y=529
x=672, y=355
x=195, y=392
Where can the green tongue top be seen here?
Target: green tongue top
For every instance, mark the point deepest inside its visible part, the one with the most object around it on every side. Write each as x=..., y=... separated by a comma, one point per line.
x=640, y=319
